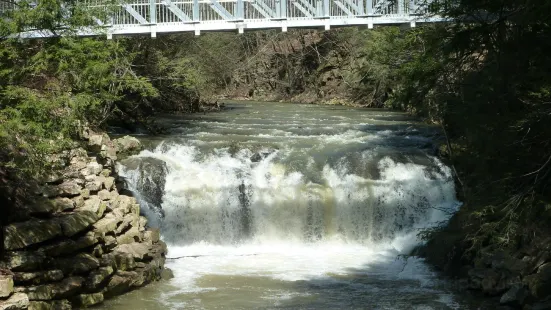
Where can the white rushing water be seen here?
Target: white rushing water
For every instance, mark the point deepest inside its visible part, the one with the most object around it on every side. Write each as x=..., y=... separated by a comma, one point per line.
x=259, y=213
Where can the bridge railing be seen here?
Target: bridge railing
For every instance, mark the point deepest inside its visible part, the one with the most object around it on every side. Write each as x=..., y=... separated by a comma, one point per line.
x=147, y=12
x=130, y=16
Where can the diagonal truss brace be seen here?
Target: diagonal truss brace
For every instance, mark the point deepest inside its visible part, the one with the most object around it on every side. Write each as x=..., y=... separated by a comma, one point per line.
x=135, y=14
x=381, y=5
x=343, y=8
x=263, y=9
x=220, y=10
x=305, y=7
x=176, y=11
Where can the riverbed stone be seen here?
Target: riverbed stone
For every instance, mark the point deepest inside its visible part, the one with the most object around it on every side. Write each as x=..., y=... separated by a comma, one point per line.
x=539, y=284
x=21, y=235
x=85, y=193
x=106, y=195
x=109, y=151
x=66, y=288
x=129, y=221
x=152, y=235
x=128, y=145
x=515, y=296
x=119, y=261
x=167, y=274
x=76, y=222
x=38, y=277
x=6, y=286
x=136, y=249
x=87, y=300
x=142, y=221
x=93, y=185
x=107, y=224
x=63, y=204
x=130, y=236
x=98, y=277
x=69, y=188
x=94, y=168
x=95, y=141
x=94, y=204
x=17, y=301
x=108, y=183
x=78, y=201
x=63, y=304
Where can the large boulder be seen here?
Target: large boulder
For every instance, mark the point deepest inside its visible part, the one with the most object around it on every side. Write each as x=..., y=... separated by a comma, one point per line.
x=151, y=180
x=17, y=301
x=127, y=146
x=21, y=235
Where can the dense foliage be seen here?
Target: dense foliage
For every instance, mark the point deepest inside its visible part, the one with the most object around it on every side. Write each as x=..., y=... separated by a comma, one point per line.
x=487, y=83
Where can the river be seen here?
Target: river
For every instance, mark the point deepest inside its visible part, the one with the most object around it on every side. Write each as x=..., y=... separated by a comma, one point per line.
x=283, y=206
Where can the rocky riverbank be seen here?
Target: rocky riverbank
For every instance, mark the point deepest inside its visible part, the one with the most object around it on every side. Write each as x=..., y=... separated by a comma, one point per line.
x=81, y=241
x=511, y=278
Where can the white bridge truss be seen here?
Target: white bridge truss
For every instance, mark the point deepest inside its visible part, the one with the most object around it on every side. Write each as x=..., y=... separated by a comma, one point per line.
x=166, y=16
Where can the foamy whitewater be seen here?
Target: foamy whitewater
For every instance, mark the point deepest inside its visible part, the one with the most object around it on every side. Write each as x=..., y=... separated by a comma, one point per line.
x=295, y=207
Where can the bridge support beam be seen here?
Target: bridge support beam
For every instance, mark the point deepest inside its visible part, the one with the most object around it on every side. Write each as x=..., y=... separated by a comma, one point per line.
x=153, y=12
x=369, y=7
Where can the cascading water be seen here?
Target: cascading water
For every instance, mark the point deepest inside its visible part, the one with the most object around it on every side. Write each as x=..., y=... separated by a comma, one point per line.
x=292, y=206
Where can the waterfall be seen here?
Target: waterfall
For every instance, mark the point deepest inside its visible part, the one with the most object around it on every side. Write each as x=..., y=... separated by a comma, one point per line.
x=294, y=206
x=228, y=199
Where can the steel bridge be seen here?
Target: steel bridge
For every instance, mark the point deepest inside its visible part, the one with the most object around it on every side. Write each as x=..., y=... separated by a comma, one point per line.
x=169, y=16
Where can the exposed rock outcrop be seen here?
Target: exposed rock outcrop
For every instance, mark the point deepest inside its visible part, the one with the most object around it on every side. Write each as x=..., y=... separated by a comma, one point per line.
x=82, y=241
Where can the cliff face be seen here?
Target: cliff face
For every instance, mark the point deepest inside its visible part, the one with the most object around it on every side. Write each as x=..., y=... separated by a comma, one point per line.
x=80, y=241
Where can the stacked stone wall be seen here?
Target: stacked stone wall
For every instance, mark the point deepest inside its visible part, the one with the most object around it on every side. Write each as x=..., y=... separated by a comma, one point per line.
x=80, y=241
